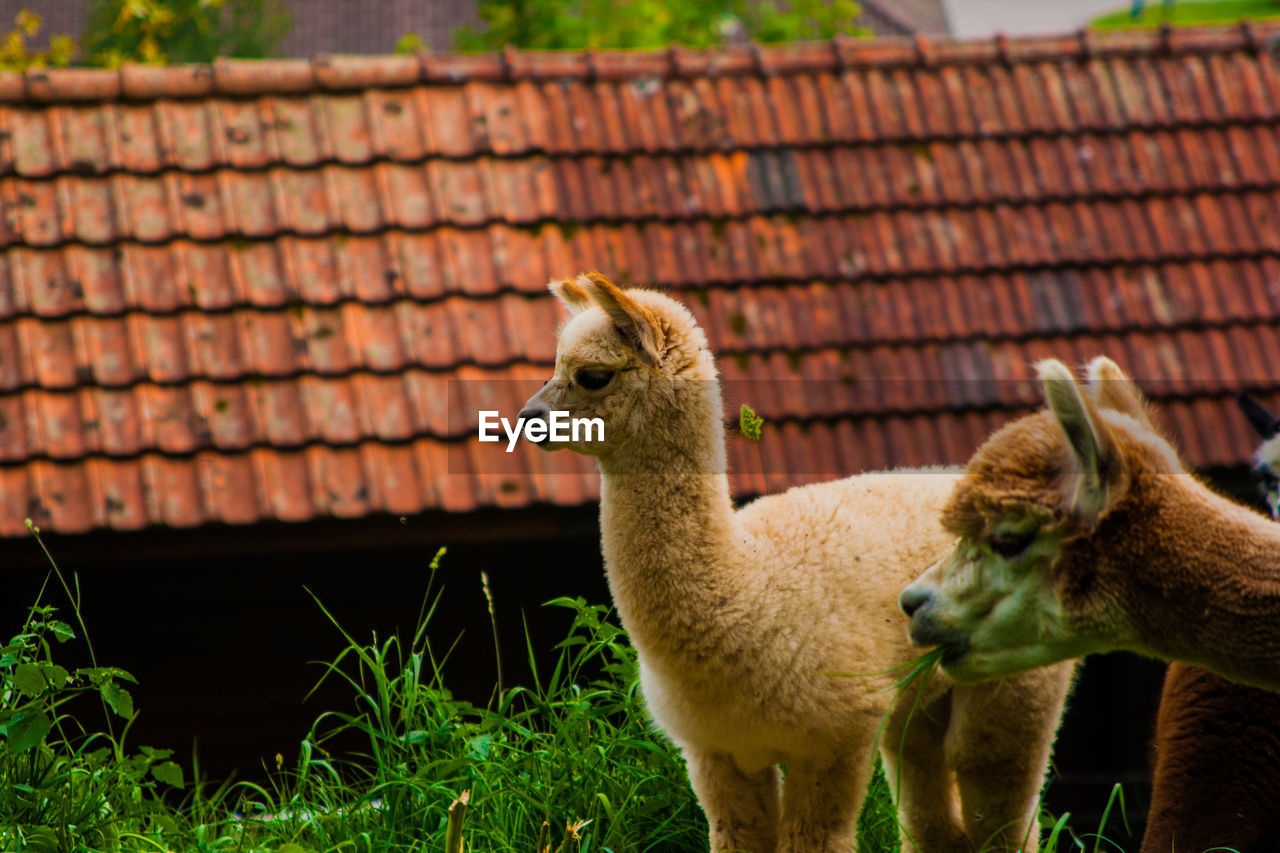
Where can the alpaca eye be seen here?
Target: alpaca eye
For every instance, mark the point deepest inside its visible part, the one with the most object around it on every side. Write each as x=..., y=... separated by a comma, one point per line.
x=1010, y=545
x=593, y=380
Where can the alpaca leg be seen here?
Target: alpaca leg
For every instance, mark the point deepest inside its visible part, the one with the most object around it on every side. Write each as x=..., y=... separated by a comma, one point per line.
x=742, y=808
x=918, y=777
x=821, y=801
x=998, y=744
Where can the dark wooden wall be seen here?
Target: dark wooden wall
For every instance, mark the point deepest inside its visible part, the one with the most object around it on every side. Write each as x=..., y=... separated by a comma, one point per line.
x=220, y=630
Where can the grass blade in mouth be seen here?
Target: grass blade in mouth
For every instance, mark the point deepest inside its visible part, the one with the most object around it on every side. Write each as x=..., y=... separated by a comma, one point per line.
x=905, y=673
x=916, y=671
x=919, y=667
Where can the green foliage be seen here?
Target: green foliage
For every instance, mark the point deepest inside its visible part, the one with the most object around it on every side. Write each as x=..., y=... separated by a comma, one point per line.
x=569, y=763
x=578, y=24
x=15, y=55
x=750, y=424
x=574, y=749
x=157, y=32
x=1188, y=14
x=409, y=43
x=62, y=787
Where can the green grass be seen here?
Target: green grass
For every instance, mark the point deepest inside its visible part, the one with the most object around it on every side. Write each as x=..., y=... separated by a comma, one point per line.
x=1190, y=14
x=567, y=763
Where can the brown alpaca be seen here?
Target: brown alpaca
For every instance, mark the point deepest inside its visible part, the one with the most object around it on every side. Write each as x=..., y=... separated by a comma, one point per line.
x=743, y=617
x=1081, y=531
x=1217, y=774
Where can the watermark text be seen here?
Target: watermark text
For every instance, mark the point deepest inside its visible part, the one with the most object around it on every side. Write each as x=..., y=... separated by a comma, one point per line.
x=557, y=426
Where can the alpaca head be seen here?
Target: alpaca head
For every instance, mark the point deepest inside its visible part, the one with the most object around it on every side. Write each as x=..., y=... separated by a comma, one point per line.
x=1028, y=580
x=1266, y=460
x=635, y=359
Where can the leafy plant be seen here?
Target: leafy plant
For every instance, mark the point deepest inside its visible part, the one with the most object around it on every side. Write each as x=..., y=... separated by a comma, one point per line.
x=578, y=24
x=409, y=43
x=63, y=787
x=750, y=424
x=16, y=54
x=163, y=31
x=573, y=750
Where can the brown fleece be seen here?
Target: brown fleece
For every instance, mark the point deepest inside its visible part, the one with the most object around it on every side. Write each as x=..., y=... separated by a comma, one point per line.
x=1217, y=774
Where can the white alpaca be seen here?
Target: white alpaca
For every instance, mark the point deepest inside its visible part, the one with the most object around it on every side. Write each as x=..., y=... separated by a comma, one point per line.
x=741, y=618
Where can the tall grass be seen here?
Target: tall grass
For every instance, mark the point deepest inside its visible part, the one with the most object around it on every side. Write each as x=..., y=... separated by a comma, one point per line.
x=567, y=763
x=572, y=749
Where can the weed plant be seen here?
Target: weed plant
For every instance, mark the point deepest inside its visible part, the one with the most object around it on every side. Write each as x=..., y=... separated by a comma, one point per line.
x=569, y=763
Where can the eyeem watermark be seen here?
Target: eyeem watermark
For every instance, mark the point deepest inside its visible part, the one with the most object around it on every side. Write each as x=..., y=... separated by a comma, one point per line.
x=558, y=426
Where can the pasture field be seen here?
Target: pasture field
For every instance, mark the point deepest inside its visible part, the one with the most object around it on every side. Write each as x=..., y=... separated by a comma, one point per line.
x=567, y=763
x=1189, y=13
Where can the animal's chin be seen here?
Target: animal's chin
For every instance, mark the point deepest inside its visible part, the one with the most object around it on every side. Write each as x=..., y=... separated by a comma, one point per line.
x=926, y=631
x=955, y=664
x=967, y=666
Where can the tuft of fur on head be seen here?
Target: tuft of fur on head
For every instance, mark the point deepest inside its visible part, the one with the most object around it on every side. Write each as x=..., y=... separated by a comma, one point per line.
x=658, y=327
x=1018, y=470
x=1067, y=464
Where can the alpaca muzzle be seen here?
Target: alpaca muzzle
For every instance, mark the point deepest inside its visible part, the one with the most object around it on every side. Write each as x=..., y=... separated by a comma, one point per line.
x=919, y=603
x=537, y=413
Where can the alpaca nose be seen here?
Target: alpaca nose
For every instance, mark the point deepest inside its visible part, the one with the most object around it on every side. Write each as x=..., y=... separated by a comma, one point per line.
x=913, y=598
x=535, y=413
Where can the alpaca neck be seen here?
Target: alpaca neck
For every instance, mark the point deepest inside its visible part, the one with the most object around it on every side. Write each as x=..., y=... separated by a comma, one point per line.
x=667, y=527
x=1205, y=586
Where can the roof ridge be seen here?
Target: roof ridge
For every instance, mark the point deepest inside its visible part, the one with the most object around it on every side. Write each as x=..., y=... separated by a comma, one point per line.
x=324, y=72
x=889, y=13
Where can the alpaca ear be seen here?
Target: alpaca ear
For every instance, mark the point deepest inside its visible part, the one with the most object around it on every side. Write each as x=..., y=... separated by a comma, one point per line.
x=574, y=297
x=636, y=323
x=1112, y=389
x=1091, y=451
x=1264, y=423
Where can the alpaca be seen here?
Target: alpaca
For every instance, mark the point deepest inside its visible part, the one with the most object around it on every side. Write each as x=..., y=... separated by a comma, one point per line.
x=744, y=619
x=1216, y=781
x=1080, y=531
x=1266, y=460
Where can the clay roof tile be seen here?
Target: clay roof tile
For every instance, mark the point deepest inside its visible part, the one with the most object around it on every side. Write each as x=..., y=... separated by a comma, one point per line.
x=273, y=290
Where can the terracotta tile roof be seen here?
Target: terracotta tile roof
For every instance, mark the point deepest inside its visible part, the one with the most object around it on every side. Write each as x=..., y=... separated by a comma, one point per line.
x=277, y=290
